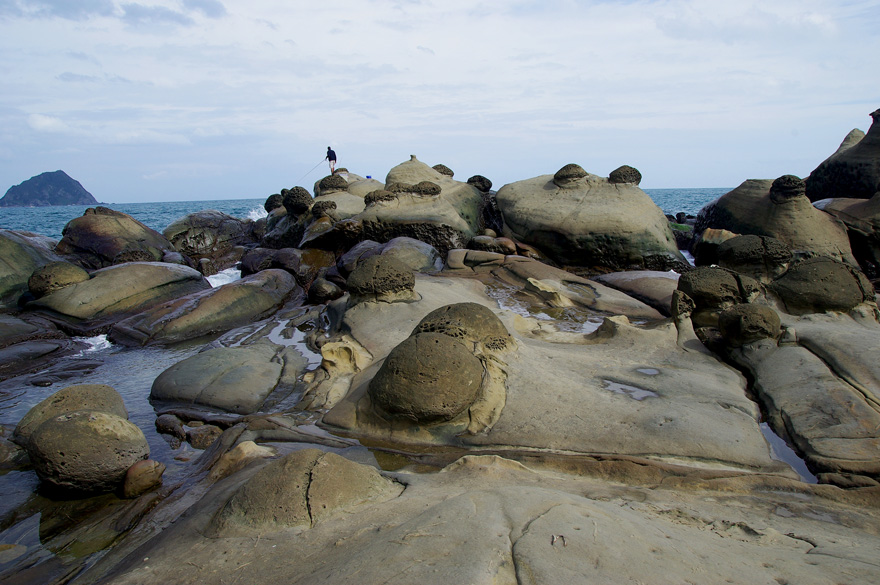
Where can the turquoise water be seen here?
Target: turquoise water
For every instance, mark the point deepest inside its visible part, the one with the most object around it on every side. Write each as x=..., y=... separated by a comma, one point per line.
x=50, y=221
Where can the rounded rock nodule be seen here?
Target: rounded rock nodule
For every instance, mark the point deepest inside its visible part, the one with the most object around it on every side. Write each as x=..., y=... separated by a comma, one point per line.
x=380, y=275
x=429, y=377
x=569, y=174
x=55, y=276
x=481, y=183
x=297, y=200
x=472, y=323
x=443, y=170
x=786, y=188
x=86, y=451
x=625, y=174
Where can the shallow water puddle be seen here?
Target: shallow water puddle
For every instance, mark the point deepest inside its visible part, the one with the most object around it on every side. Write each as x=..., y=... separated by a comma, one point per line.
x=572, y=319
x=780, y=451
x=633, y=392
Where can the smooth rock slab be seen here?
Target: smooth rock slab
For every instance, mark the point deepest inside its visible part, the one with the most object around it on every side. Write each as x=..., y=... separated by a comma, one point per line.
x=209, y=312
x=235, y=379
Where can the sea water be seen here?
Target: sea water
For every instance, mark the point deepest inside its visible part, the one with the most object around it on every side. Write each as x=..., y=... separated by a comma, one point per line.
x=50, y=221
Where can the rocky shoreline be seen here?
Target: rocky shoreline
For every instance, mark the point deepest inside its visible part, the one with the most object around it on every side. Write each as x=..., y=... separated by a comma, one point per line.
x=424, y=380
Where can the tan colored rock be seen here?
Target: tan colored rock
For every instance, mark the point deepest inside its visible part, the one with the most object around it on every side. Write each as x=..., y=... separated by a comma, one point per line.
x=97, y=397
x=142, y=477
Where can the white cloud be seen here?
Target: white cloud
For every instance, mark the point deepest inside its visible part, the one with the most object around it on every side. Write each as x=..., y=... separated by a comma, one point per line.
x=546, y=82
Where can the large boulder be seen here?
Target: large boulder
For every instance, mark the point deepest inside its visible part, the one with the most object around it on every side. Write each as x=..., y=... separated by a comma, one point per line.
x=381, y=278
x=851, y=172
x=445, y=215
x=580, y=219
x=103, y=237
x=778, y=209
x=761, y=257
x=208, y=312
x=816, y=285
x=117, y=292
x=429, y=377
x=86, y=450
x=235, y=379
x=211, y=234
x=20, y=254
x=96, y=397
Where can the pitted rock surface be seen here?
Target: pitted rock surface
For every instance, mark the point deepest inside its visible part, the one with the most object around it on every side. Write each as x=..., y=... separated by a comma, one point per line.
x=625, y=174
x=379, y=275
x=816, y=285
x=55, y=276
x=745, y=323
x=471, y=323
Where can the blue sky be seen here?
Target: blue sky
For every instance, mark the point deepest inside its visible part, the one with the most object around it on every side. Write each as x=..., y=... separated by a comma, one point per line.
x=222, y=99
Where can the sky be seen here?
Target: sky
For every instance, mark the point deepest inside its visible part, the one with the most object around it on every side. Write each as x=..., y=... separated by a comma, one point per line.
x=175, y=100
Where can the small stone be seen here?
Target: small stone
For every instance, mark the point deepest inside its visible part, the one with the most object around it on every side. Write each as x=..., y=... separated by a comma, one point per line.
x=142, y=477
x=203, y=436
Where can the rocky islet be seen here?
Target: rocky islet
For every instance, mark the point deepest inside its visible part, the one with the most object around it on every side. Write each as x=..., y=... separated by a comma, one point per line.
x=587, y=395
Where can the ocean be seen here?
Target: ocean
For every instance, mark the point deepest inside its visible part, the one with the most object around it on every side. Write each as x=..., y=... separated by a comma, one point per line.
x=50, y=221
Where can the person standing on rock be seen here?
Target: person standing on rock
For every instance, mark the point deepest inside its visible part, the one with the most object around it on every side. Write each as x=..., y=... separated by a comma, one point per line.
x=331, y=156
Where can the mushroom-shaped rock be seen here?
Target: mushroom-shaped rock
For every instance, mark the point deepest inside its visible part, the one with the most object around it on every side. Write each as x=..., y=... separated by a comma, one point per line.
x=86, y=450
x=471, y=323
x=853, y=171
x=273, y=202
x=429, y=377
x=381, y=278
x=480, y=182
x=579, y=219
x=379, y=196
x=746, y=323
x=444, y=170
x=101, y=236
x=761, y=257
x=816, y=285
x=330, y=184
x=299, y=490
x=625, y=174
x=98, y=397
x=569, y=176
x=759, y=208
x=55, y=276
x=297, y=200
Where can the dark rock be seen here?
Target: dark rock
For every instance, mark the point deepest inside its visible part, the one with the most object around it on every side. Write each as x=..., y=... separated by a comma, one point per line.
x=378, y=196
x=851, y=172
x=426, y=188
x=380, y=275
x=786, y=188
x=745, y=323
x=323, y=291
x=211, y=234
x=359, y=252
x=712, y=290
x=429, y=377
x=568, y=174
x=331, y=183
x=296, y=201
x=201, y=437
x=169, y=424
x=443, y=170
x=55, y=276
x=45, y=189
x=273, y=202
x=100, y=235
x=324, y=209
x=816, y=285
x=625, y=174
x=22, y=253
x=761, y=257
x=480, y=182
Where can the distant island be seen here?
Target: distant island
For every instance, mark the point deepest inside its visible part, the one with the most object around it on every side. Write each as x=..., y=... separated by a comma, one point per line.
x=47, y=189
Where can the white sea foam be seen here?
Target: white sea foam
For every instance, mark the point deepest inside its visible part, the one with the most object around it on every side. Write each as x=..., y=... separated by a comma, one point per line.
x=257, y=213
x=97, y=343
x=224, y=277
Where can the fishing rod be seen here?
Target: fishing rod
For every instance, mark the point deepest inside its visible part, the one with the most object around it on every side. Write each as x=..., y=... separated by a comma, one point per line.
x=311, y=171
